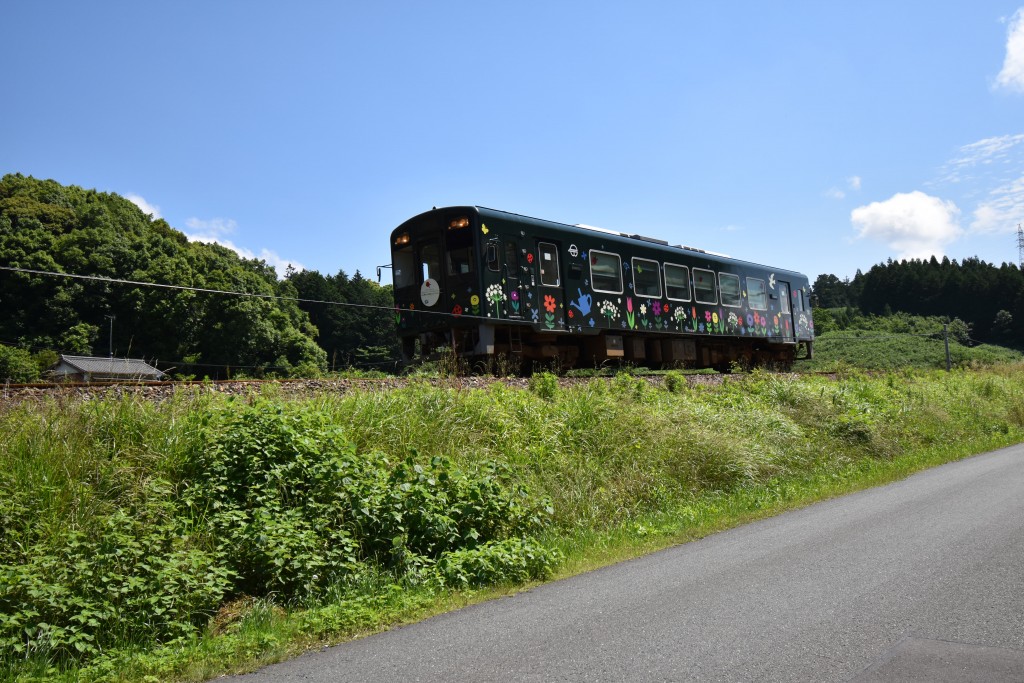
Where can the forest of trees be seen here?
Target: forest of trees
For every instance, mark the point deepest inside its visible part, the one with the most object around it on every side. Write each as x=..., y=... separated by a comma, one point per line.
x=361, y=336
x=989, y=298
x=46, y=226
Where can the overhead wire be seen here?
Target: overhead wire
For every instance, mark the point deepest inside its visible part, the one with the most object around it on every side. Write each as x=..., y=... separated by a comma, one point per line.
x=257, y=295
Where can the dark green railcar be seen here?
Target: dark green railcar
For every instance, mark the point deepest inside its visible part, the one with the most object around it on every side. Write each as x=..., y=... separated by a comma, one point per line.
x=487, y=283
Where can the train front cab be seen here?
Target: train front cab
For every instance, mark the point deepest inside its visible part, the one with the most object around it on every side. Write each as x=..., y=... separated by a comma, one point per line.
x=436, y=277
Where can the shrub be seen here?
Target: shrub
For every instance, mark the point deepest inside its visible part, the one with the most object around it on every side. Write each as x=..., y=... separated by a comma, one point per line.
x=296, y=508
x=17, y=365
x=544, y=385
x=675, y=382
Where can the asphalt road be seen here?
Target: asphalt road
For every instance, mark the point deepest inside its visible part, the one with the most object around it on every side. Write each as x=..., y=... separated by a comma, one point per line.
x=921, y=580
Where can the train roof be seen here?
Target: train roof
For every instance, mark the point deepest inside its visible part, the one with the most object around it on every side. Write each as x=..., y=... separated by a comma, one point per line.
x=620, y=237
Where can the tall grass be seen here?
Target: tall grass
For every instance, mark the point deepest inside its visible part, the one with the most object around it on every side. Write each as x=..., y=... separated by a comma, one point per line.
x=138, y=537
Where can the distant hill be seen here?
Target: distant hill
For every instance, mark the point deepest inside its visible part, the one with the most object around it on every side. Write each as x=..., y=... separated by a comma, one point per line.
x=46, y=226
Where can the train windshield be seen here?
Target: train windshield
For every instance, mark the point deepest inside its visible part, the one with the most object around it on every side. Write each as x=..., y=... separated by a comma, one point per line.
x=460, y=251
x=404, y=267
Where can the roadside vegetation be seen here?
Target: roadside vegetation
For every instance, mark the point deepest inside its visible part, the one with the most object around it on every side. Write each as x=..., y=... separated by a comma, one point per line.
x=201, y=535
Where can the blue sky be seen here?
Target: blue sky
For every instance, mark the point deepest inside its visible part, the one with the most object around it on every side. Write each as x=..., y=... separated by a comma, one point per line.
x=818, y=136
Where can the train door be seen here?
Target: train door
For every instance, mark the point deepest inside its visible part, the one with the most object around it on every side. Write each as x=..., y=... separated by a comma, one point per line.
x=511, y=280
x=787, y=326
x=429, y=276
x=549, y=308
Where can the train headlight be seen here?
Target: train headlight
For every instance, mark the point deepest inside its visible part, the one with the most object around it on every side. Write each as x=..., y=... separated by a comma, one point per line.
x=460, y=222
x=402, y=239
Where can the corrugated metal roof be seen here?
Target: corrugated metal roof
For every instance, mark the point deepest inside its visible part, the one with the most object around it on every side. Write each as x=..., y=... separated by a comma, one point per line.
x=111, y=367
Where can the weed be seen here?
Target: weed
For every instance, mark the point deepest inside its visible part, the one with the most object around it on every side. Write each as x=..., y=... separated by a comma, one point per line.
x=544, y=385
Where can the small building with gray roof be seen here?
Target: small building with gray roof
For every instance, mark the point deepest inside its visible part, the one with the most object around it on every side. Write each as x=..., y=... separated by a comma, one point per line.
x=92, y=369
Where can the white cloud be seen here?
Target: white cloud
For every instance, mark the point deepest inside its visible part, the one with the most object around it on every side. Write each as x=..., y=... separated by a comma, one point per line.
x=914, y=224
x=1002, y=211
x=213, y=230
x=990, y=154
x=211, y=227
x=147, y=208
x=852, y=183
x=1012, y=74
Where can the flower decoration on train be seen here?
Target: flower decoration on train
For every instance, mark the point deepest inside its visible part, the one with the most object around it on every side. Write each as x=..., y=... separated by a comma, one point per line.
x=549, y=305
x=513, y=299
x=495, y=295
x=630, y=316
x=608, y=310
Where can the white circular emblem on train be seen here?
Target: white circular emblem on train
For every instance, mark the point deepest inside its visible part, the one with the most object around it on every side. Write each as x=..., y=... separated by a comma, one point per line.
x=573, y=251
x=429, y=292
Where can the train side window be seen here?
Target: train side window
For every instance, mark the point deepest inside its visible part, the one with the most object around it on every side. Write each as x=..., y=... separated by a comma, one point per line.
x=704, y=286
x=677, y=282
x=548, y=265
x=757, y=295
x=784, y=297
x=798, y=300
x=430, y=262
x=730, y=286
x=646, y=278
x=492, y=257
x=605, y=272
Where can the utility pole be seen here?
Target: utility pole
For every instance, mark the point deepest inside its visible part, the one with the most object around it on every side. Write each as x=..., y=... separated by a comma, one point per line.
x=1020, y=247
x=945, y=338
x=111, y=317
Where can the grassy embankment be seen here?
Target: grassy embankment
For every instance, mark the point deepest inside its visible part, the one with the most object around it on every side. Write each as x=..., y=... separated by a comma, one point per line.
x=897, y=341
x=202, y=535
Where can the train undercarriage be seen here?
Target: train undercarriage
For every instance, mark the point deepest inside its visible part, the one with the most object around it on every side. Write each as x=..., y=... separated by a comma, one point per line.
x=523, y=347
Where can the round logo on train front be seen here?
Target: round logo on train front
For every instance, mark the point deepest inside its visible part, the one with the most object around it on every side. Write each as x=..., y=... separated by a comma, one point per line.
x=429, y=292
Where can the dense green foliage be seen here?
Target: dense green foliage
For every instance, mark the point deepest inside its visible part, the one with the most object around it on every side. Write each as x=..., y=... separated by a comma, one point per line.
x=124, y=523
x=17, y=365
x=846, y=338
x=989, y=298
x=50, y=227
x=353, y=336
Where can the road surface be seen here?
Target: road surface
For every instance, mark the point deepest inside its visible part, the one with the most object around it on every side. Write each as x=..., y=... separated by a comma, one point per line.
x=921, y=580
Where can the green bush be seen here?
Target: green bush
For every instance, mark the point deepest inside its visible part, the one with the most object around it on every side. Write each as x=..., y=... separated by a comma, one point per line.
x=544, y=385
x=17, y=365
x=514, y=560
x=296, y=508
x=675, y=381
